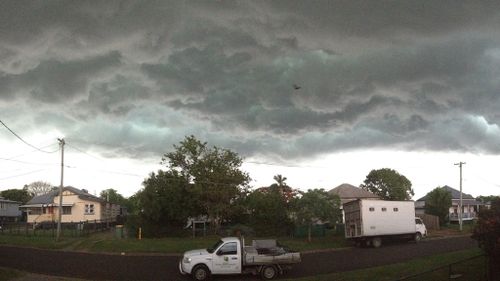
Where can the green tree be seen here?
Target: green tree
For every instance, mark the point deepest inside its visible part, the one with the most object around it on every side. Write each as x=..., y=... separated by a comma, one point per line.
x=19, y=195
x=388, y=184
x=487, y=199
x=112, y=195
x=317, y=205
x=268, y=213
x=438, y=203
x=286, y=192
x=166, y=202
x=487, y=233
x=215, y=172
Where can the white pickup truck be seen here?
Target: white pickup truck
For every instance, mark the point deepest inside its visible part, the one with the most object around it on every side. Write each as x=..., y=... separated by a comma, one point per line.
x=230, y=256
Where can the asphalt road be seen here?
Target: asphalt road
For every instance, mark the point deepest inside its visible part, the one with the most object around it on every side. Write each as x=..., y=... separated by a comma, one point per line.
x=164, y=267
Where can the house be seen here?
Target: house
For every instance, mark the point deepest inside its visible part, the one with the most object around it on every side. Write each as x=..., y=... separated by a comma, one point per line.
x=469, y=209
x=348, y=193
x=9, y=210
x=78, y=205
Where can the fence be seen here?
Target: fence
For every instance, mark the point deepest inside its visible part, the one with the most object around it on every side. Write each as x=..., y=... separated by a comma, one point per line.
x=69, y=229
x=430, y=221
x=474, y=268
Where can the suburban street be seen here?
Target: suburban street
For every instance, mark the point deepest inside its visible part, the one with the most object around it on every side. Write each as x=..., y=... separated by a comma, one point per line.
x=164, y=267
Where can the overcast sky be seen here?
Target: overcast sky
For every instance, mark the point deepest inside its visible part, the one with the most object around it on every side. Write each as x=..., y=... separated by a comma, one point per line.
x=321, y=92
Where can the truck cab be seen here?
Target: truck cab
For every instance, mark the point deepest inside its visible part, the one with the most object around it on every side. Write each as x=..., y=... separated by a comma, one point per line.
x=224, y=257
x=420, y=229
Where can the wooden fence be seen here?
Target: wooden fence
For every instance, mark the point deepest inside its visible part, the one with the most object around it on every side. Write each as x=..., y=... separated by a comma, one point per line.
x=430, y=221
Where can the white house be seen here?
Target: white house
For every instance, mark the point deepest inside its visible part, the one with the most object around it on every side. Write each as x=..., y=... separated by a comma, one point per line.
x=470, y=206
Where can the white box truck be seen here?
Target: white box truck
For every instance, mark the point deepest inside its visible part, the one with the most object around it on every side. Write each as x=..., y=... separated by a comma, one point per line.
x=369, y=222
x=230, y=256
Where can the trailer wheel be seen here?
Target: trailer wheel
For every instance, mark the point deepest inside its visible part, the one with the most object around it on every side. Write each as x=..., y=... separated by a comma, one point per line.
x=418, y=237
x=200, y=273
x=268, y=272
x=376, y=242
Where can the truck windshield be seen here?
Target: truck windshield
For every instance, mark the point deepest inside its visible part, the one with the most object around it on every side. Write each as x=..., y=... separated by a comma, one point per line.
x=215, y=246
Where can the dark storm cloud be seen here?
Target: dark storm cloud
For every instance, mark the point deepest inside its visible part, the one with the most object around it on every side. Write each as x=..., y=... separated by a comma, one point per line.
x=291, y=79
x=56, y=81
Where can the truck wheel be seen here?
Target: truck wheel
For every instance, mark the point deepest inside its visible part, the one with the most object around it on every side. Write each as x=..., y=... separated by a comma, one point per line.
x=376, y=242
x=200, y=273
x=418, y=237
x=268, y=272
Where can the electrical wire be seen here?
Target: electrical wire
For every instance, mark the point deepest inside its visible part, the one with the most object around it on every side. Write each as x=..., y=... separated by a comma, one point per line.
x=24, y=174
x=21, y=139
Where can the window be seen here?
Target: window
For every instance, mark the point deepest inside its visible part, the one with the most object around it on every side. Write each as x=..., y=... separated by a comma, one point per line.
x=66, y=210
x=89, y=209
x=228, y=249
x=395, y=209
x=418, y=221
x=372, y=209
x=384, y=209
x=2, y=205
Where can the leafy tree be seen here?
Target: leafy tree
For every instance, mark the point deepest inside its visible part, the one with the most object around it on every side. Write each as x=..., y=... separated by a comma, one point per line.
x=486, y=199
x=317, y=205
x=388, y=184
x=39, y=188
x=112, y=195
x=166, y=202
x=438, y=203
x=487, y=233
x=215, y=172
x=286, y=192
x=268, y=212
x=19, y=195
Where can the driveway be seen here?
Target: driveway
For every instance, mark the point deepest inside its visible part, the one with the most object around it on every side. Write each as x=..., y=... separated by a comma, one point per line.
x=164, y=267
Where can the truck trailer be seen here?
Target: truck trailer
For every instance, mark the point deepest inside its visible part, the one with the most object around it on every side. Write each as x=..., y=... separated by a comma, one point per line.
x=230, y=256
x=369, y=222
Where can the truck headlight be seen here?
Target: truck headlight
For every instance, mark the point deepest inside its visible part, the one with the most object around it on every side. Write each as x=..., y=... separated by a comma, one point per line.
x=186, y=260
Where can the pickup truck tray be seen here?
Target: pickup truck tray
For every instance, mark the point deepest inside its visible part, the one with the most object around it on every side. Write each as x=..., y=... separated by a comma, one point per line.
x=273, y=256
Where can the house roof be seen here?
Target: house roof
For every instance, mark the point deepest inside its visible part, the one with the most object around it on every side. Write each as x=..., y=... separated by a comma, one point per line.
x=455, y=194
x=348, y=191
x=49, y=197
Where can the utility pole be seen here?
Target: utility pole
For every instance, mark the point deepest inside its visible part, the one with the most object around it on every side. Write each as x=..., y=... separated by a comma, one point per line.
x=61, y=143
x=460, y=213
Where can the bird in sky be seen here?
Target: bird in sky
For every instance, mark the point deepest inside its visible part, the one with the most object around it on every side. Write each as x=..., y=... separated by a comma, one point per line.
x=296, y=87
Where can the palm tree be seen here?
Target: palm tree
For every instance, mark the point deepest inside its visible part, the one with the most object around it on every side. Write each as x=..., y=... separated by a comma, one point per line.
x=280, y=180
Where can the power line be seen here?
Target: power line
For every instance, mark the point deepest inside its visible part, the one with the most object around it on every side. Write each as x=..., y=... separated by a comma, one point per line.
x=27, y=143
x=24, y=174
x=28, y=163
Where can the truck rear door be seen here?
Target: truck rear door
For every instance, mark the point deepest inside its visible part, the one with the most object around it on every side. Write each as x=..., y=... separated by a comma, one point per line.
x=227, y=259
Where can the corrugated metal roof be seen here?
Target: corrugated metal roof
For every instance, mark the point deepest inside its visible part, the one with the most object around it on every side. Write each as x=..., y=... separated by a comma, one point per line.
x=49, y=197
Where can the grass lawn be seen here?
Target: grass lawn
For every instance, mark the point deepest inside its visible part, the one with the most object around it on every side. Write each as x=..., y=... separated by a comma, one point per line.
x=107, y=242
x=9, y=274
x=474, y=269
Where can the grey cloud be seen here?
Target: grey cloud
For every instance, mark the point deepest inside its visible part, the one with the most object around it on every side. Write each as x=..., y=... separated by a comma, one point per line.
x=53, y=81
x=142, y=75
